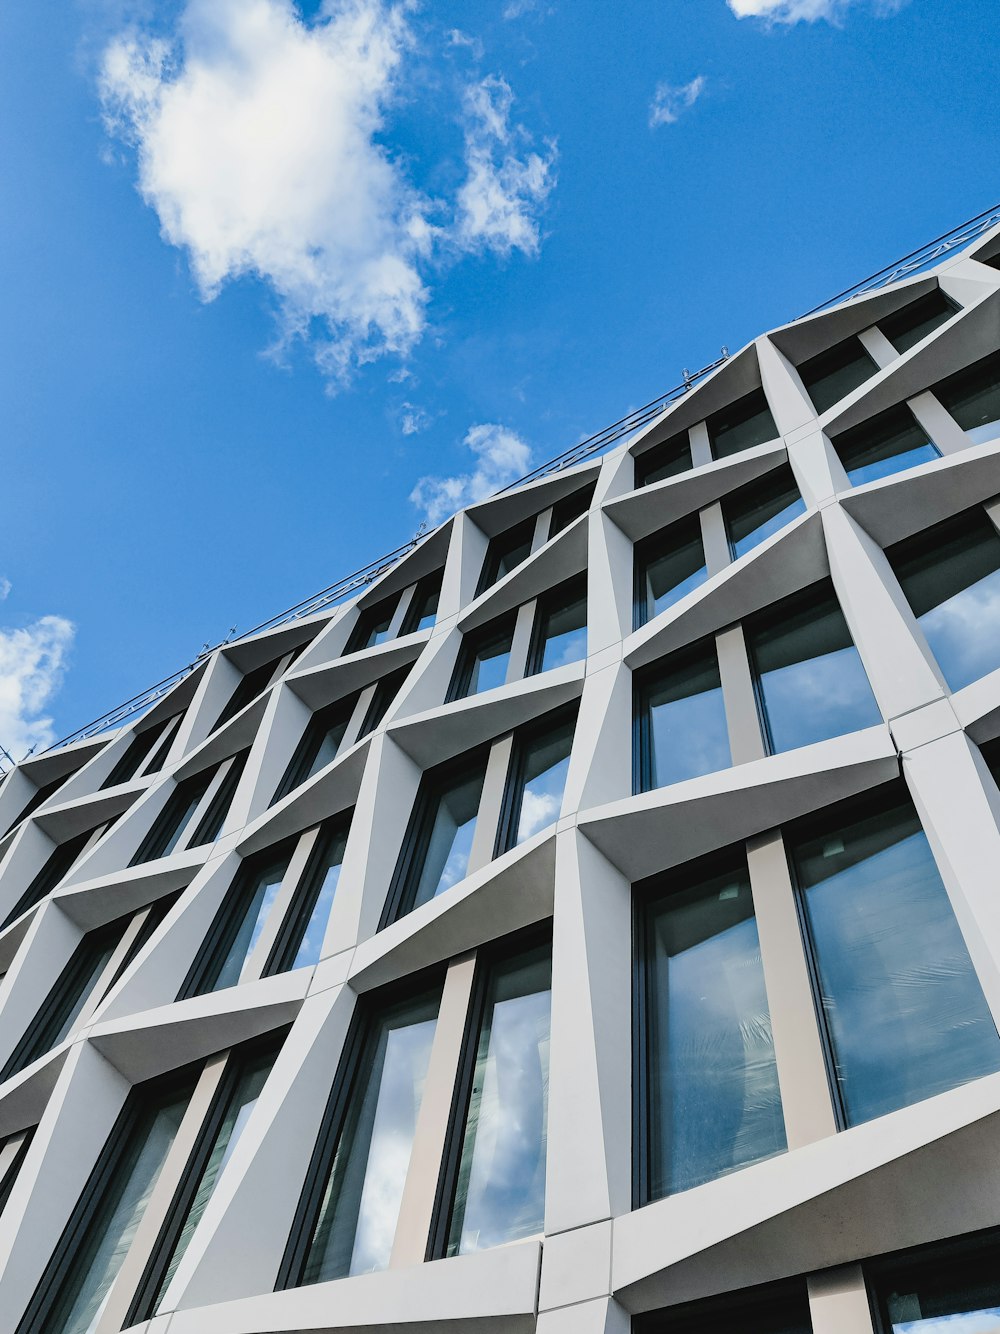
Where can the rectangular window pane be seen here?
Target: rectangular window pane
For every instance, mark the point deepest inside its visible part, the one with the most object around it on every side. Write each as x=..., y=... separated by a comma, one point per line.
x=254, y=683
x=742, y=425
x=712, y=1083
x=903, y=1007
x=887, y=444
x=811, y=681
x=950, y=575
x=56, y=867
x=172, y=823
x=914, y=322
x=354, y=1231
x=949, y=1289
x=837, y=372
x=237, y=928
x=682, y=720
x=372, y=626
x=437, y=855
x=135, y=753
x=483, y=660
x=775, y=1309
x=665, y=460
x=668, y=566
x=561, y=629
x=506, y=552
x=318, y=747
x=385, y=695
x=500, y=1192
x=211, y=824
x=972, y=397
x=302, y=940
x=422, y=611
x=539, y=767
x=761, y=509
x=565, y=511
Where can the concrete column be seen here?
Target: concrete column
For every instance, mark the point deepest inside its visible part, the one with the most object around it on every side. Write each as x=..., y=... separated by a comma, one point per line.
x=746, y=739
x=877, y=346
x=491, y=804
x=517, y=665
x=701, y=445
x=938, y=422
x=715, y=539
x=838, y=1301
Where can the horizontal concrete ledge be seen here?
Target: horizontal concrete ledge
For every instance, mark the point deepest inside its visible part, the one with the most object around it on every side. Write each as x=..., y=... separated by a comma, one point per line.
x=321, y=685
x=332, y=790
x=561, y=558
x=977, y=707
x=501, y=512
x=91, y=903
x=72, y=818
x=23, y=1097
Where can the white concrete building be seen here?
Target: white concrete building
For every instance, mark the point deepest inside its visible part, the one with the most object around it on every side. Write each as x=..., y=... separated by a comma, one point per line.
x=594, y=925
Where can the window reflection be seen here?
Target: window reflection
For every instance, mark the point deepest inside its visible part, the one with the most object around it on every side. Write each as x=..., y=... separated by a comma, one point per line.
x=903, y=1007
x=711, y=1079
x=423, y=608
x=837, y=372
x=668, y=565
x=500, y=1193
x=506, y=552
x=887, y=444
x=743, y=424
x=681, y=720
x=318, y=747
x=914, y=322
x=972, y=397
x=760, y=510
x=484, y=660
x=561, y=627
x=665, y=460
x=540, y=765
x=309, y=914
x=949, y=1289
x=437, y=852
x=237, y=928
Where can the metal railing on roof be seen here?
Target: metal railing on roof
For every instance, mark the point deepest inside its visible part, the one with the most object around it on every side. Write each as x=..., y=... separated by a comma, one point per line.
x=924, y=257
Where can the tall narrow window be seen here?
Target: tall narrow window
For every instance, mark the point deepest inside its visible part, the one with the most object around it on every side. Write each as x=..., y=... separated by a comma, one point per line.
x=951, y=577
x=159, y=757
x=80, y=1279
x=972, y=397
x=904, y=1010
x=559, y=636
x=539, y=766
x=886, y=444
x=373, y=626
x=741, y=425
x=253, y=684
x=237, y=927
x=837, y=372
x=56, y=867
x=499, y=1194
x=565, y=511
x=668, y=566
x=664, y=460
x=761, y=509
x=909, y=326
x=506, y=552
x=318, y=747
x=301, y=939
x=950, y=1288
x=135, y=753
x=681, y=729
x=40, y=794
x=211, y=823
x=172, y=823
x=436, y=850
x=708, y=1084
x=483, y=659
x=348, y=1215
x=13, y=1151
x=383, y=699
x=422, y=611
x=809, y=675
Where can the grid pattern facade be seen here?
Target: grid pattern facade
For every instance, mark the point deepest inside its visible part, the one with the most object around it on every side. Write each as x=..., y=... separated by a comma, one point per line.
x=593, y=926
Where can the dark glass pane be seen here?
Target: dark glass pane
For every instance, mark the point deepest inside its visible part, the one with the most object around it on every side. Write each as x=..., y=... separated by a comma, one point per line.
x=135, y=753
x=540, y=768
x=952, y=1289
x=155, y=914
x=385, y=694
x=373, y=626
x=903, y=1006
x=318, y=747
x=483, y=661
x=811, y=681
x=14, y=1165
x=171, y=825
x=505, y=553
x=40, y=794
x=714, y=1104
x=951, y=577
x=441, y=853
x=569, y=508
x=210, y=826
x=753, y=1311
x=885, y=445
x=57, y=866
x=908, y=326
x=500, y=1193
x=662, y=461
x=360, y=1204
x=237, y=928
x=759, y=510
x=973, y=398
x=310, y=912
x=163, y=749
x=254, y=683
x=837, y=372
x=682, y=729
x=668, y=566
x=745, y=423
x=95, y=1265
x=422, y=611
x=561, y=632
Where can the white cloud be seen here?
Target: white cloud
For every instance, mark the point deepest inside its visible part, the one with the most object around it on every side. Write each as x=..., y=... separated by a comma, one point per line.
x=670, y=100
x=807, y=11
x=500, y=202
x=32, y=661
x=5, y=587
x=516, y=9
x=501, y=458
x=413, y=419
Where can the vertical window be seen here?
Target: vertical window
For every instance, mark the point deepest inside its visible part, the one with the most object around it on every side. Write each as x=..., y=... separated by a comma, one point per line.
x=741, y=425
x=318, y=747
x=668, y=565
x=422, y=611
x=211, y=823
x=41, y=794
x=560, y=631
x=953, y=1287
x=58, y=865
x=707, y=1080
x=13, y=1151
x=884, y=445
x=664, y=460
x=950, y=575
x=373, y=626
x=972, y=397
x=483, y=659
x=837, y=372
x=238, y=925
x=506, y=552
x=385, y=695
x=436, y=850
x=681, y=719
x=759, y=510
x=903, y=1008
x=914, y=322
x=539, y=765
x=499, y=1192
x=171, y=825
x=809, y=676
x=301, y=939
x=142, y=743
x=161, y=752
x=349, y=1210
x=254, y=683
x=569, y=508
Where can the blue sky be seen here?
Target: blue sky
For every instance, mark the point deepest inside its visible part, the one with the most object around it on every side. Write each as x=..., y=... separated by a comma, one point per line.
x=265, y=267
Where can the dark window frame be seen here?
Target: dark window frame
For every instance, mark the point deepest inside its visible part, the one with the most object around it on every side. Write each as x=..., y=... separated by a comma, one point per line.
x=310, y=743
x=643, y=679
x=642, y=557
x=387, y=689
x=472, y=641
x=306, y=895
x=575, y=588
x=168, y=821
x=500, y=546
x=513, y=794
x=659, y=456
x=760, y=1306
x=424, y=588
x=368, y=619
x=210, y=825
x=569, y=508
x=913, y=1261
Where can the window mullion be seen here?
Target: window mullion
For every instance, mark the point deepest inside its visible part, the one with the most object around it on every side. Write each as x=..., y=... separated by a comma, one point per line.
x=839, y=1302
x=520, y=644
x=100, y=987
x=714, y=539
x=201, y=810
x=491, y=804
x=746, y=741
x=358, y=716
x=256, y=961
x=399, y=615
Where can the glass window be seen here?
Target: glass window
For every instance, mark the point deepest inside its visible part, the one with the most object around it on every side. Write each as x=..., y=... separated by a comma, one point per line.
x=422, y=611
x=385, y=696
x=56, y=867
x=681, y=720
x=809, y=675
x=973, y=398
x=904, y=1010
x=483, y=660
x=569, y=508
x=837, y=372
x=13, y=1151
x=374, y=1121
x=539, y=766
x=71, y=1300
x=372, y=626
x=238, y=925
x=711, y=1102
x=301, y=940
x=318, y=747
x=664, y=460
x=500, y=1190
x=254, y=683
x=436, y=852
x=163, y=749
x=756, y=512
x=886, y=444
x=172, y=823
x=914, y=322
x=743, y=424
x=943, y=1289
x=774, y=1309
x=560, y=630
x=506, y=552
x=668, y=565
x=211, y=823
x=950, y=575
x=131, y=761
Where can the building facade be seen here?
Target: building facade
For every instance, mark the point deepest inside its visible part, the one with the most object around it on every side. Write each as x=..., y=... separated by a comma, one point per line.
x=593, y=926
